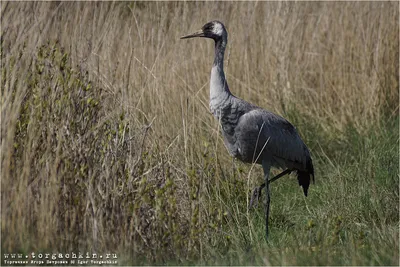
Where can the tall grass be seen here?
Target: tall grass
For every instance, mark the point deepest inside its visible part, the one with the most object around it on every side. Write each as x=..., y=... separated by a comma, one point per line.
x=107, y=143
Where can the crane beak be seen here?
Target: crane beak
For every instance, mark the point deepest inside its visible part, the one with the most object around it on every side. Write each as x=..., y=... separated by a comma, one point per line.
x=195, y=34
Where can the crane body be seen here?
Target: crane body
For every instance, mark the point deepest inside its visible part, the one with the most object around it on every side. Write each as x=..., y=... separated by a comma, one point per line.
x=252, y=134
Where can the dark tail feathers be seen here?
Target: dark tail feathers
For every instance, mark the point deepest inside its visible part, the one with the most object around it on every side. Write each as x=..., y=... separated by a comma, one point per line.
x=304, y=176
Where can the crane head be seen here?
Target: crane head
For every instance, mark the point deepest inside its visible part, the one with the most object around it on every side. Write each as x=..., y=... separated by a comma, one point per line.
x=213, y=29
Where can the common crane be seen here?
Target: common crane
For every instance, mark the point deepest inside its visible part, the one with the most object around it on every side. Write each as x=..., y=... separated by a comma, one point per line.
x=252, y=134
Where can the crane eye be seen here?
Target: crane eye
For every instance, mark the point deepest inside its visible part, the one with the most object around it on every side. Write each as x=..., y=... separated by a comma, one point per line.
x=208, y=27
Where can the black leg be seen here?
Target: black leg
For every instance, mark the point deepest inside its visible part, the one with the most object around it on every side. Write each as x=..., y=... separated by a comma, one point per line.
x=267, y=202
x=266, y=167
x=255, y=196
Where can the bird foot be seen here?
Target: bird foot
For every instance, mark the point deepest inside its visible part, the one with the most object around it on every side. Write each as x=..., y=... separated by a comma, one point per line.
x=255, y=197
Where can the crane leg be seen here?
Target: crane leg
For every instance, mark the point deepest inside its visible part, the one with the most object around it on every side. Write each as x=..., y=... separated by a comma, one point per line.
x=255, y=196
x=267, y=203
x=266, y=167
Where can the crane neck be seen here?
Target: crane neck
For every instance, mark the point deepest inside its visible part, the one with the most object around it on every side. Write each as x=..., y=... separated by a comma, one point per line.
x=219, y=89
x=220, y=46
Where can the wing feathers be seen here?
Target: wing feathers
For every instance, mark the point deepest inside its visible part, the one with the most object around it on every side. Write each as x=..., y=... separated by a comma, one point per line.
x=285, y=147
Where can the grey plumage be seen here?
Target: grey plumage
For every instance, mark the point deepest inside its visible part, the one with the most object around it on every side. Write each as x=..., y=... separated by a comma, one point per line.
x=252, y=134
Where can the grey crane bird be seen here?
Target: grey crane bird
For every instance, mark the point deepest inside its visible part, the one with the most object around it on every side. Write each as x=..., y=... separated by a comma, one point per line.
x=252, y=134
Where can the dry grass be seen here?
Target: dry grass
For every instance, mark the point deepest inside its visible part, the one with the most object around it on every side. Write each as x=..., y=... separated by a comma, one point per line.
x=107, y=143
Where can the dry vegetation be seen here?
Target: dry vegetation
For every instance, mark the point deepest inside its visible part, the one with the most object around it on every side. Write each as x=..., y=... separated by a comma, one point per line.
x=107, y=143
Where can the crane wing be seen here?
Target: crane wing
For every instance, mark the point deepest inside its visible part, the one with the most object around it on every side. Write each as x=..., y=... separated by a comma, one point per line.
x=284, y=146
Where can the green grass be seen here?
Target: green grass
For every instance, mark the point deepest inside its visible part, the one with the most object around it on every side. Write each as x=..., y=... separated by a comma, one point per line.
x=107, y=144
x=349, y=218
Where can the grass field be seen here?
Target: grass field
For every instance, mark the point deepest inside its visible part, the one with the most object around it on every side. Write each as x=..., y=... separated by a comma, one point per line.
x=108, y=144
